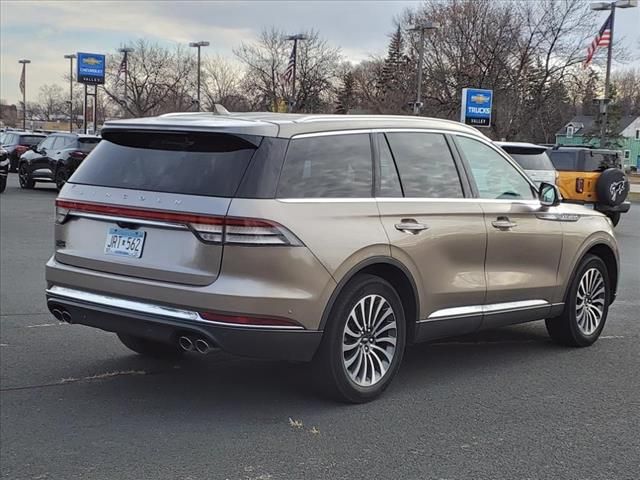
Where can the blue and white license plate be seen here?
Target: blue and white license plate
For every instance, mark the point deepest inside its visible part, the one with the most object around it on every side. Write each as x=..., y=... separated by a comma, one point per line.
x=124, y=242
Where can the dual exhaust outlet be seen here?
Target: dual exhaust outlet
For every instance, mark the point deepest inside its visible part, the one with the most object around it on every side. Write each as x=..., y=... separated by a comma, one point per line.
x=61, y=315
x=195, y=344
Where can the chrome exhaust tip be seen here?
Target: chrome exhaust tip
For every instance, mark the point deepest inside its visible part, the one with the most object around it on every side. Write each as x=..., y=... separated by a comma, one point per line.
x=185, y=343
x=202, y=346
x=66, y=316
x=57, y=313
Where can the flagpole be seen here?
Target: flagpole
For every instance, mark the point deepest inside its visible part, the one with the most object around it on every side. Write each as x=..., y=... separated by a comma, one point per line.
x=295, y=38
x=607, y=86
x=23, y=85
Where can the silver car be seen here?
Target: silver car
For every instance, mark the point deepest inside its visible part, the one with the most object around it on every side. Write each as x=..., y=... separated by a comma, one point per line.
x=533, y=159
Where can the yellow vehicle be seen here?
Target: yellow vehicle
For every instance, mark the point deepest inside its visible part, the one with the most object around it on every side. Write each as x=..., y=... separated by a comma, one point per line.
x=592, y=177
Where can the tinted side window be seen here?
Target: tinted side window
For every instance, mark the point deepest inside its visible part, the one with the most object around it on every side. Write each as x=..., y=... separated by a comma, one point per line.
x=564, y=161
x=327, y=166
x=47, y=143
x=59, y=143
x=495, y=177
x=389, y=181
x=426, y=166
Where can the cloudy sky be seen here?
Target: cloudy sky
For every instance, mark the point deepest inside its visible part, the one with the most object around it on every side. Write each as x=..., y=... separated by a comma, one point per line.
x=44, y=31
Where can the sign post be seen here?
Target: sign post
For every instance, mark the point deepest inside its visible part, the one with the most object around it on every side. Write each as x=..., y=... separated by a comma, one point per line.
x=476, y=107
x=91, y=71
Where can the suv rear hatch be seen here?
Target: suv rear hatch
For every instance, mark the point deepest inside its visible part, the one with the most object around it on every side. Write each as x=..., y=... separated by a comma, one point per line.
x=152, y=204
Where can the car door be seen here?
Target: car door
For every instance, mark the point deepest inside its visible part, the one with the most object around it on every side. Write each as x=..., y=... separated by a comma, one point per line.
x=434, y=229
x=524, y=241
x=38, y=158
x=40, y=165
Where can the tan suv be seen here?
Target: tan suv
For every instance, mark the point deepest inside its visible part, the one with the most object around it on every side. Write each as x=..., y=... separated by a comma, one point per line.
x=333, y=239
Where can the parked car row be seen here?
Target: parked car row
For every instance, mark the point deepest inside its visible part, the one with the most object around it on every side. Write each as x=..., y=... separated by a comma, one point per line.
x=586, y=176
x=45, y=158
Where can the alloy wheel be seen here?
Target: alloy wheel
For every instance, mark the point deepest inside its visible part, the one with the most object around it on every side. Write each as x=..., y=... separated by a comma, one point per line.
x=590, y=301
x=369, y=340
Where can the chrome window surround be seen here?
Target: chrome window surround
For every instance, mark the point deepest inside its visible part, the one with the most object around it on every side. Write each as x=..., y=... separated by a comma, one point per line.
x=148, y=308
x=481, y=138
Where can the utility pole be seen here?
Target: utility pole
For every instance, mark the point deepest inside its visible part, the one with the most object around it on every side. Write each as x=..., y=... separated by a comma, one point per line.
x=417, y=105
x=198, y=45
x=70, y=57
x=295, y=38
x=23, y=87
x=125, y=62
x=604, y=105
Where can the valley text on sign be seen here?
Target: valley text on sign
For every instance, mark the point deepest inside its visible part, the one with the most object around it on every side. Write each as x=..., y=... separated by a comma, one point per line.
x=476, y=107
x=91, y=68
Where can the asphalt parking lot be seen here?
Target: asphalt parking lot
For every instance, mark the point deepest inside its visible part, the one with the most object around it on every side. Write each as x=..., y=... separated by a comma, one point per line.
x=506, y=404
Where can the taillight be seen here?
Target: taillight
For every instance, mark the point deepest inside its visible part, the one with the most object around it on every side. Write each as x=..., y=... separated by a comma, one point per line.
x=579, y=185
x=77, y=155
x=250, y=321
x=20, y=149
x=209, y=228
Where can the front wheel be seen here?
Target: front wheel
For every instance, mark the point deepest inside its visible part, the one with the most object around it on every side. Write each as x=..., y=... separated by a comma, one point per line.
x=363, y=342
x=149, y=348
x=25, y=177
x=3, y=184
x=586, y=306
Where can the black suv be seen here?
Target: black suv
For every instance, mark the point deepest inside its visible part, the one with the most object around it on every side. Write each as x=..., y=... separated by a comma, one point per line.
x=55, y=158
x=16, y=143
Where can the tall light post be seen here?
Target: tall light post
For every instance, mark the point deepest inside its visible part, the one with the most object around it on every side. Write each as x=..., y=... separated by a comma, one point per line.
x=70, y=57
x=604, y=105
x=294, y=56
x=23, y=87
x=428, y=25
x=124, y=66
x=199, y=45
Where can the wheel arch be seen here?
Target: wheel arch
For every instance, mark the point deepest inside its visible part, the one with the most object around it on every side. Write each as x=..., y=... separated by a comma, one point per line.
x=608, y=256
x=393, y=272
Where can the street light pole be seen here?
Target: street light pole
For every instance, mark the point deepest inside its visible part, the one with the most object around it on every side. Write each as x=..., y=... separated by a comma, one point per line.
x=70, y=57
x=295, y=38
x=23, y=83
x=198, y=45
x=604, y=109
x=421, y=28
x=125, y=61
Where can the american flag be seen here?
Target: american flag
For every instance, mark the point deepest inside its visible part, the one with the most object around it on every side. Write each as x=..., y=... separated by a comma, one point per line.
x=602, y=39
x=288, y=73
x=122, y=68
x=22, y=80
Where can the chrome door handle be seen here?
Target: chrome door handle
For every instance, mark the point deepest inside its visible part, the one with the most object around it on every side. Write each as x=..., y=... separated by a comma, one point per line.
x=503, y=223
x=411, y=227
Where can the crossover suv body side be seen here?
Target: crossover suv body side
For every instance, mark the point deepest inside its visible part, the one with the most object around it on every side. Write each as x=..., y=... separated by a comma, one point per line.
x=333, y=239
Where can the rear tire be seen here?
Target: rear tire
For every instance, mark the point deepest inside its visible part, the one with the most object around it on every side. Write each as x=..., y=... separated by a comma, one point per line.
x=61, y=179
x=614, y=217
x=149, y=348
x=3, y=184
x=586, y=306
x=24, y=177
x=363, y=342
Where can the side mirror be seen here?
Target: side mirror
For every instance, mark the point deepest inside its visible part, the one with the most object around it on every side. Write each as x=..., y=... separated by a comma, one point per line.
x=549, y=195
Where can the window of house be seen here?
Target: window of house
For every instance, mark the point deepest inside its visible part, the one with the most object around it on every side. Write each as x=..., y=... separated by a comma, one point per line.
x=570, y=131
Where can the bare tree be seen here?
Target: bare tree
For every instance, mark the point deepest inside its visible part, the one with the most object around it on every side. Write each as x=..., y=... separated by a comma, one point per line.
x=159, y=80
x=223, y=84
x=266, y=59
x=50, y=105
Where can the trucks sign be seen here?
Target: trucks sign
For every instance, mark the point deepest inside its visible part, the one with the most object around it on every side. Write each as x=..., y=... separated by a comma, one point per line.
x=476, y=107
x=91, y=68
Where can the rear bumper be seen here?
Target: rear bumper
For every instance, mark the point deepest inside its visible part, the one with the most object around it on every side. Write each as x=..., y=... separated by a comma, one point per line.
x=622, y=208
x=165, y=324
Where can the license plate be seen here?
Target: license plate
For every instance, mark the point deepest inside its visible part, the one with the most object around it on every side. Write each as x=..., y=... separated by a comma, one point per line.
x=124, y=242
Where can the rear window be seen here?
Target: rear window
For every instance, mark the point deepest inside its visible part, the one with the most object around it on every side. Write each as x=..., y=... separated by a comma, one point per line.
x=30, y=139
x=209, y=164
x=599, y=162
x=564, y=161
x=327, y=166
x=87, y=144
x=530, y=158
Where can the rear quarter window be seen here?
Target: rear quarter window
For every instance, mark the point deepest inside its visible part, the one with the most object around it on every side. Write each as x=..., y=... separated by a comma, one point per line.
x=564, y=161
x=530, y=158
x=210, y=164
x=328, y=166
